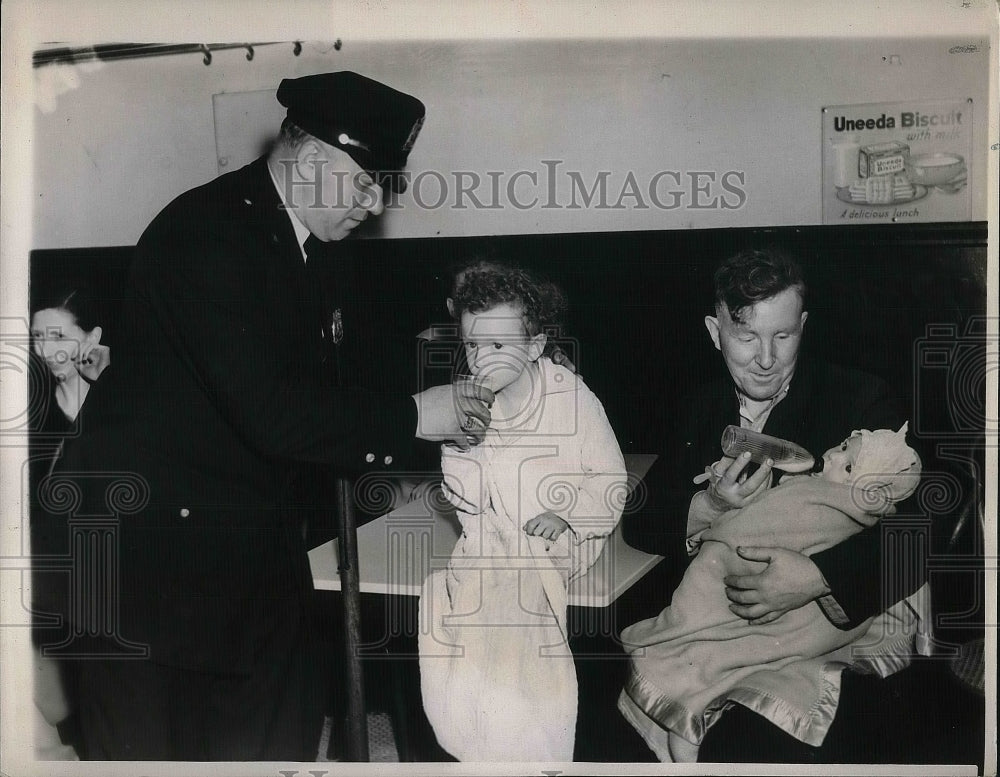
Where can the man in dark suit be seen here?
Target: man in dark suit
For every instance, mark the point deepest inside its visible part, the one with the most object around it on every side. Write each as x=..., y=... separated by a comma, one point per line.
x=771, y=387
x=224, y=391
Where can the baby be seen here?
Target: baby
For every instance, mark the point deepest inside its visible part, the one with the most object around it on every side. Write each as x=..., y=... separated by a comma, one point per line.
x=697, y=657
x=536, y=500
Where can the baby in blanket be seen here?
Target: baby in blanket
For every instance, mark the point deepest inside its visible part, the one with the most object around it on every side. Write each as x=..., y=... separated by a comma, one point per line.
x=696, y=657
x=537, y=500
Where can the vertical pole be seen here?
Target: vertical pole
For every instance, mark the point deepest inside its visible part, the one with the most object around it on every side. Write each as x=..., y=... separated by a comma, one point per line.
x=350, y=588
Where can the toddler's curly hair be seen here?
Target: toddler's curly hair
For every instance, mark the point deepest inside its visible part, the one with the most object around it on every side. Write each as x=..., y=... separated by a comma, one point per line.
x=484, y=284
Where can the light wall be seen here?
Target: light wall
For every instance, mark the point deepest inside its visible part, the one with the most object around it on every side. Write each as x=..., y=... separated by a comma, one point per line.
x=114, y=142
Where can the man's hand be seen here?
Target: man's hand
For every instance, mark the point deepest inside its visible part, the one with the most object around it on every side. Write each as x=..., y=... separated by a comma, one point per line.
x=790, y=581
x=455, y=413
x=725, y=491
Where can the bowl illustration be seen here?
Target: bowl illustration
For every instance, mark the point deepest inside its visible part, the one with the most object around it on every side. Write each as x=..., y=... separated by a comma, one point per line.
x=935, y=169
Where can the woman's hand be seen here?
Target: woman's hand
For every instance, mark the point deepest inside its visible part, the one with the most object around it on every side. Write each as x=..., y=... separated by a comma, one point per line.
x=92, y=359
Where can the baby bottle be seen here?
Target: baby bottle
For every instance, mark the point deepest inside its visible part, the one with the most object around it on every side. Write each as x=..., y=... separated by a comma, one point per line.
x=787, y=456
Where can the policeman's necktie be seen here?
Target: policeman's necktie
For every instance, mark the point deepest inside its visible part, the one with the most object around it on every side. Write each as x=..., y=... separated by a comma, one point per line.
x=330, y=313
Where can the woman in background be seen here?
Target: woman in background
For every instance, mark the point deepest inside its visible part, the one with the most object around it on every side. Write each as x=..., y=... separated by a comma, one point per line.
x=66, y=338
x=67, y=343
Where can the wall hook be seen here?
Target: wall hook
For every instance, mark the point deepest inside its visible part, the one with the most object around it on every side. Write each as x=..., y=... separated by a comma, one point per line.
x=249, y=52
x=207, y=59
x=297, y=48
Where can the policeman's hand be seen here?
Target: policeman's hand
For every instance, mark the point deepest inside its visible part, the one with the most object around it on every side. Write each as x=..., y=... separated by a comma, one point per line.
x=789, y=581
x=457, y=414
x=560, y=357
x=725, y=491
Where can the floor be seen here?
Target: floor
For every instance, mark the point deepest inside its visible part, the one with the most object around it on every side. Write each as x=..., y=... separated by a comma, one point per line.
x=942, y=718
x=937, y=717
x=381, y=741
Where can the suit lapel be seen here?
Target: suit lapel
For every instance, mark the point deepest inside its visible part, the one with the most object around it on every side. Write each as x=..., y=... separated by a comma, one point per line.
x=789, y=418
x=292, y=279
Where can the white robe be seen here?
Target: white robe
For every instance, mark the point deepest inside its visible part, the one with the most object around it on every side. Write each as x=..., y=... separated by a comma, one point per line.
x=497, y=676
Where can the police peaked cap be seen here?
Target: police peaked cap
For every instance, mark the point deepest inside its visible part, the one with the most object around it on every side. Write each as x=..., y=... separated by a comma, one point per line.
x=373, y=123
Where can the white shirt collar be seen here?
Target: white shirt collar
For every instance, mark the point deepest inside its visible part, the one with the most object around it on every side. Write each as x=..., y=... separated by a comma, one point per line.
x=301, y=231
x=754, y=413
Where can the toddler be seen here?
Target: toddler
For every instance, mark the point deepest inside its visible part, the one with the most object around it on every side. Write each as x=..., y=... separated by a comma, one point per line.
x=536, y=500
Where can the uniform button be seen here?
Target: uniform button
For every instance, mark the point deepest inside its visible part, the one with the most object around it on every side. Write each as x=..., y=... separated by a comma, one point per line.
x=185, y=512
x=387, y=460
x=370, y=457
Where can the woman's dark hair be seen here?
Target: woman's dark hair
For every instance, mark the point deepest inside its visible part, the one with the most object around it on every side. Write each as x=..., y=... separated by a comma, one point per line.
x=754, y=275
x=484, y=284
x=74, y=299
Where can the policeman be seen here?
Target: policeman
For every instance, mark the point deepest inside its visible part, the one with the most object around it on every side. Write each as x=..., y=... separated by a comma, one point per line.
x=220, y=392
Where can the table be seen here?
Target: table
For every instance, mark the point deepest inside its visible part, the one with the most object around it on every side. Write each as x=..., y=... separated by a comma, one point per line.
x=397, y=551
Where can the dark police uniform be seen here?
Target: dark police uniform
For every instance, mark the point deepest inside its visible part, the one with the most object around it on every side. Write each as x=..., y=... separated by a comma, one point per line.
x=222, y=391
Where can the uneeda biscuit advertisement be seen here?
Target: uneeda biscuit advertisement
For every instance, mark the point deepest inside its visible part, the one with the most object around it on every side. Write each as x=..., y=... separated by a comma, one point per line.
x=897, y=162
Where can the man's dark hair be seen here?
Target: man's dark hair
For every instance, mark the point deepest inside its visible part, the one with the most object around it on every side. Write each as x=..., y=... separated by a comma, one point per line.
x=291, y=133
x=753, y=275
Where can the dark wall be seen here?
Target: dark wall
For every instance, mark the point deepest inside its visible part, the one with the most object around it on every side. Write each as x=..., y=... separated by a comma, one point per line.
x=638, y=300
x=99, y=273
x=907, y=303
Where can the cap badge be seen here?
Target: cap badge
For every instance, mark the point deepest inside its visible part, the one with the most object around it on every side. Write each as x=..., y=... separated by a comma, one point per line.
x=337, y=326
x=346, y=140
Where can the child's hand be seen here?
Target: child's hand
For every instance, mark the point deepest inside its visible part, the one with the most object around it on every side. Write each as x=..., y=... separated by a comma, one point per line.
x=547, y=525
